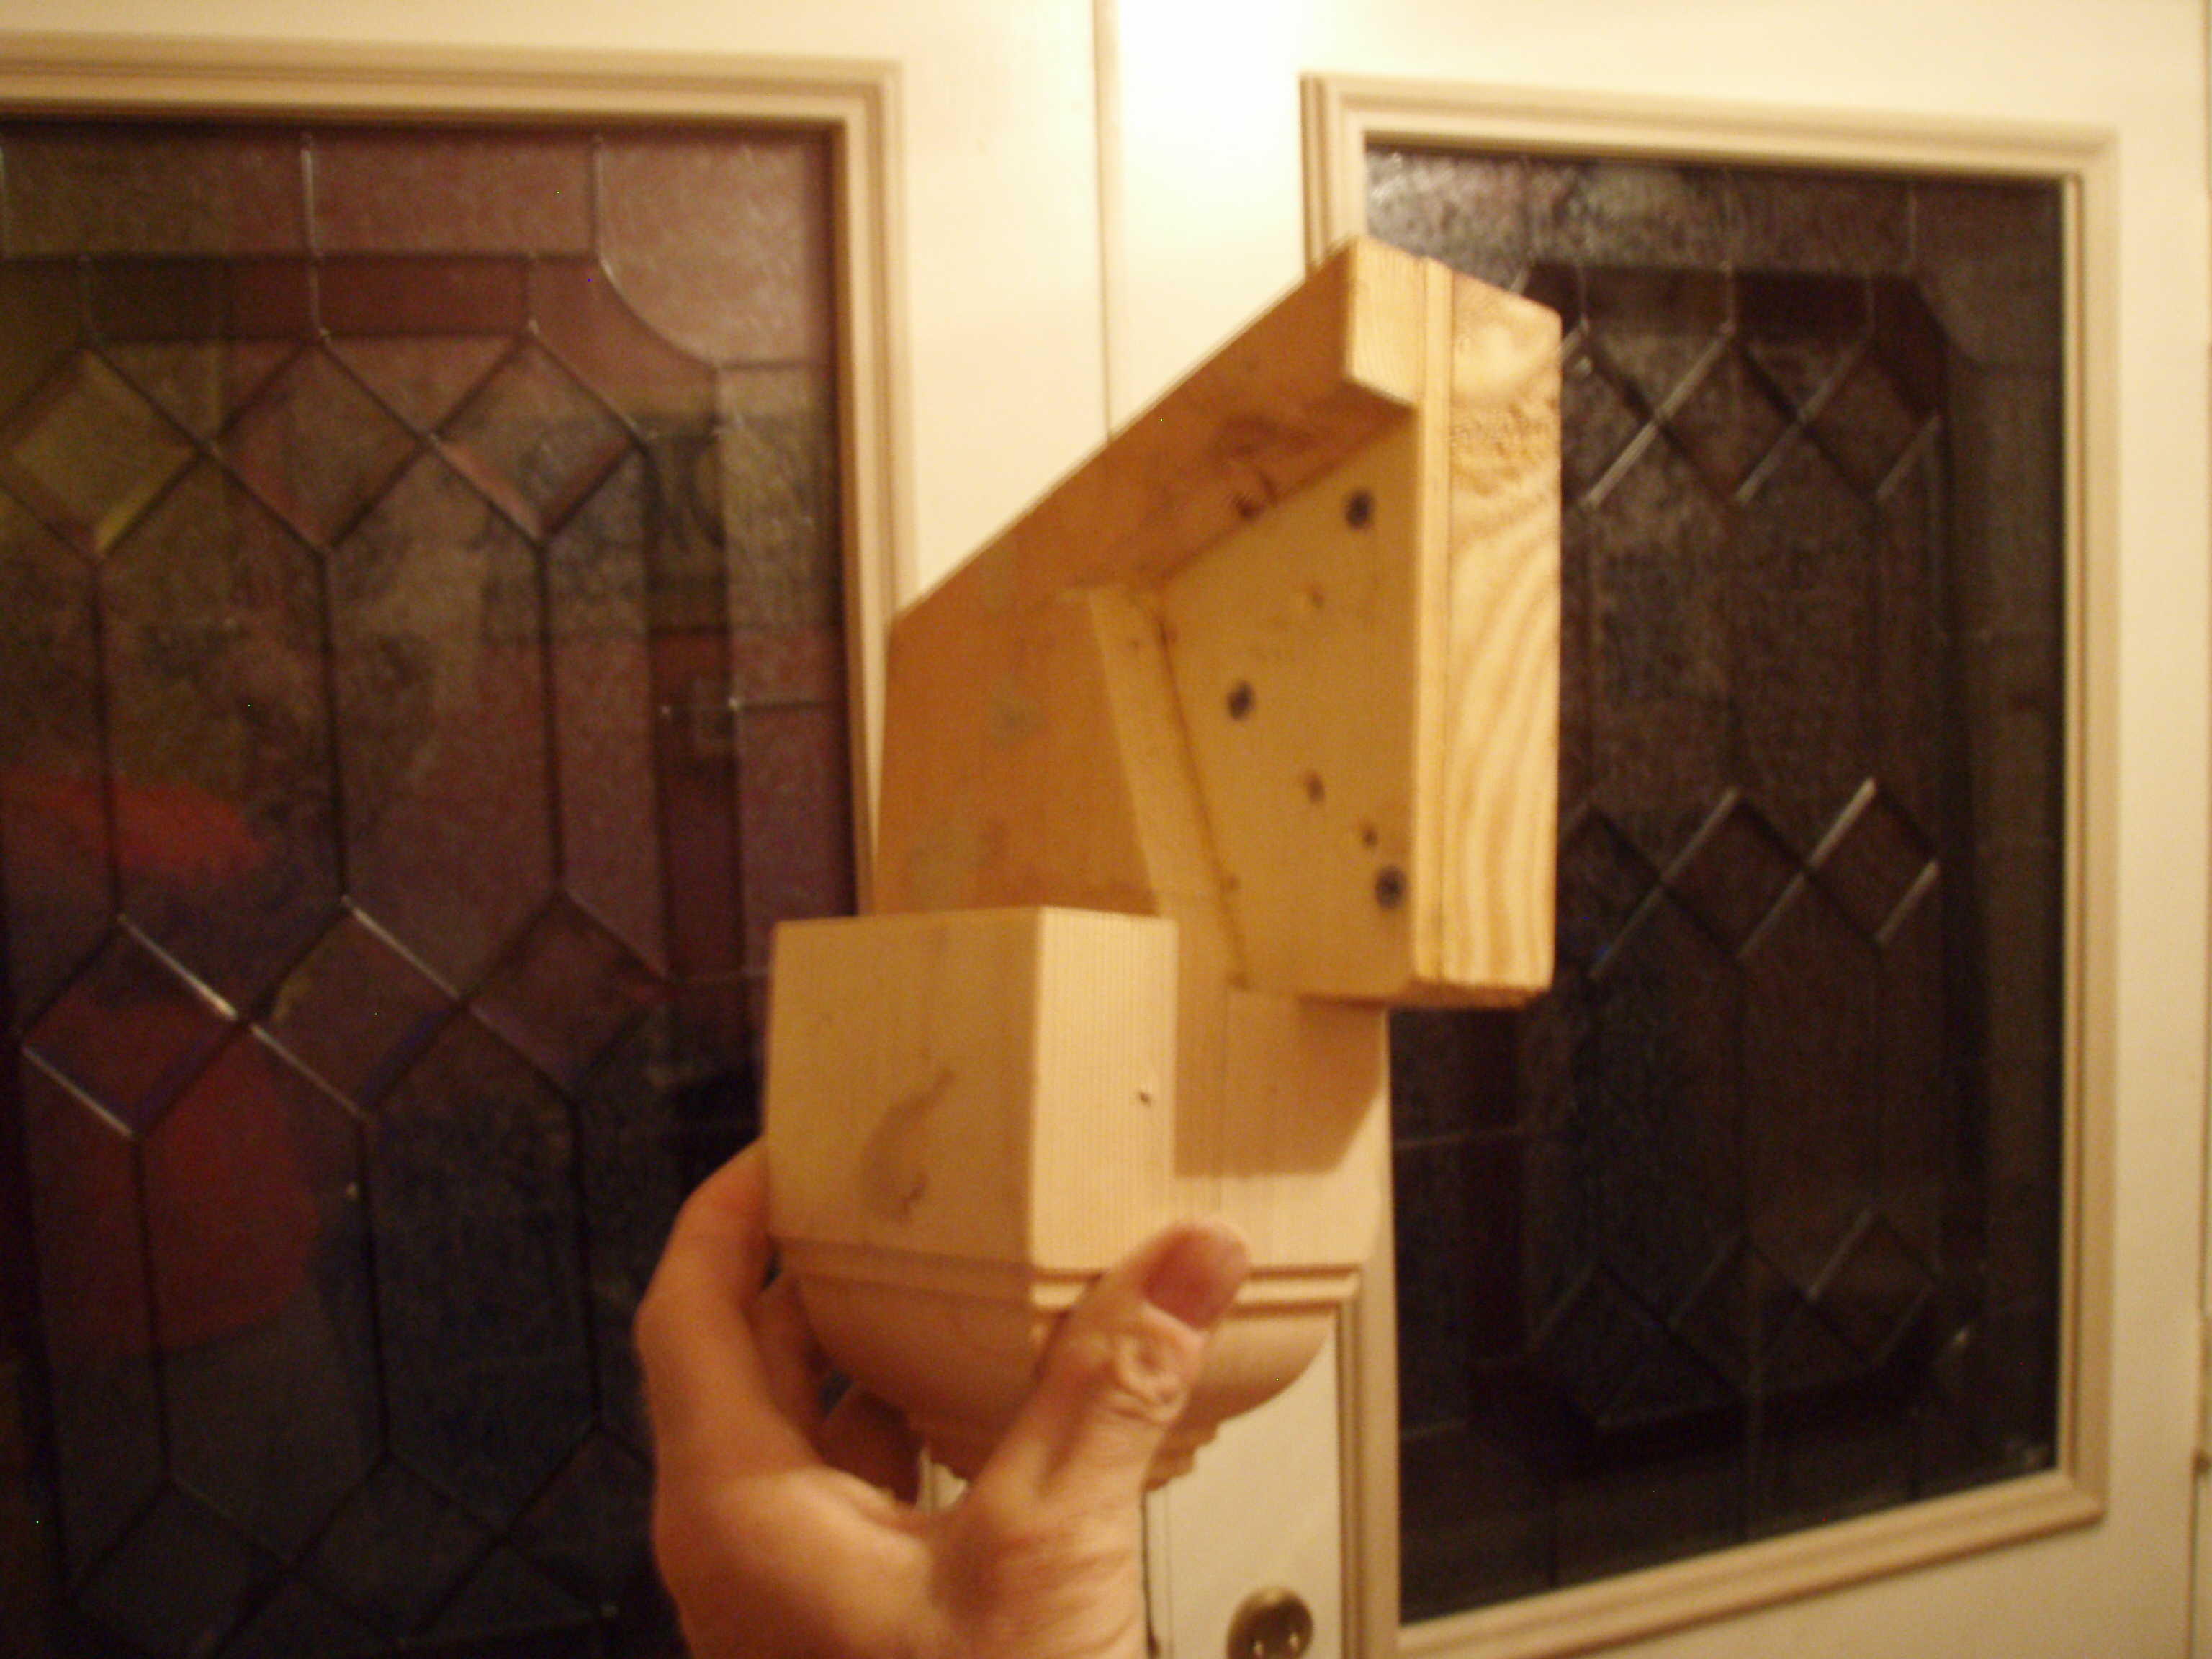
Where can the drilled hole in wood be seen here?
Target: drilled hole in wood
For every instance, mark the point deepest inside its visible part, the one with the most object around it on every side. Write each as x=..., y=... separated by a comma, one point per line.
x=1389, y=887
x=1359, y=508
x=1240, y=700
x=1315, y=788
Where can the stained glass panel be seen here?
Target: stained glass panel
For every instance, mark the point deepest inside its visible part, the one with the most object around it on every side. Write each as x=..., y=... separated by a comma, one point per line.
x=1752, y=1222
x=422, y=684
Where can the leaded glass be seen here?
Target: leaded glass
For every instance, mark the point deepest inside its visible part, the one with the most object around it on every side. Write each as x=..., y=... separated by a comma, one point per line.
x=421, y=689
x=1752, y=1222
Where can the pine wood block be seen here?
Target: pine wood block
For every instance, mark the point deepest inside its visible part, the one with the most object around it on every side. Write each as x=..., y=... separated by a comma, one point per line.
x=1343, y=531
x=987, y=1086
x=1248, y=729
x=971, y=1114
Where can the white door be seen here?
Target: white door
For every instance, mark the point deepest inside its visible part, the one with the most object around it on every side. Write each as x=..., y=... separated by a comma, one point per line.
x=1089, y=195
x=1210, y=206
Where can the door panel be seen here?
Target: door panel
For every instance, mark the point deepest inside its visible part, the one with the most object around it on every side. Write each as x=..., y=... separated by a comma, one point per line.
x=2135, y=967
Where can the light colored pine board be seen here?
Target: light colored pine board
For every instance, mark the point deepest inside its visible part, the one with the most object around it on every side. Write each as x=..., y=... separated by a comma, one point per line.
x=1246, y=731
x=1495, y=800
x=995, y=1086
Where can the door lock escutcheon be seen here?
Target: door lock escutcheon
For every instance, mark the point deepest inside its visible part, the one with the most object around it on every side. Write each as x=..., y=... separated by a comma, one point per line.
x=1271, y=1623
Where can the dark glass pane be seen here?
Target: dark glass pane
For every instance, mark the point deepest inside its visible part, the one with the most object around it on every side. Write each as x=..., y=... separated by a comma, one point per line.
x=357, y=1010
x=565, y=993
x=106, y=1411
x=723, y=247
x=441, y=720
x=55, y=829
x=77, y=188
x=1662, y=661
x=589, y=322
x=259, y=1296
x=316, y=446
x=507, y=1594
x=422, y=377
x=214, y=306
x=297, y=1620
x=605, y=718
x=1809, y=1047
x=793, y=766
x=40, y=300
x=420, y=296
x=129, y=1033
x=1752, y=1223
x=776, y=452
x=472, y=1194
x=1470, y=211
x=582, y=1532
x=1627, y=213
x=394, y=1551
x=180, y=1580
x=422, y=675
x=381, y=191
x=87, y=452
x=200, y=384
x=534, y=440
x=1807, y=221
x=223, y=790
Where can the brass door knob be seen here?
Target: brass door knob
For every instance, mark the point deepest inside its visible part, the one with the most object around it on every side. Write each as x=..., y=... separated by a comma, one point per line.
x=1272, y=1624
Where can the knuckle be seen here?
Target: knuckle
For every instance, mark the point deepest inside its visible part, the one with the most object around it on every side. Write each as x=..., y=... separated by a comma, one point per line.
x=1141, y=1373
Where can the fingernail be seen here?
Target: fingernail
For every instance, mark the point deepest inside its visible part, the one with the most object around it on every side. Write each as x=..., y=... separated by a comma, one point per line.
x=1198, y=1277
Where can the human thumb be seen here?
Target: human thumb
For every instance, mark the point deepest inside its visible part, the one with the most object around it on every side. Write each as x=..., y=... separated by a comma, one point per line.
x=1118, y=1372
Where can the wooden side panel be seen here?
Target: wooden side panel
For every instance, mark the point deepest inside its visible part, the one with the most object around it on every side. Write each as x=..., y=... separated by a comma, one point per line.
x=1295, y=652
x=999, y=783
x=982, y=1086
x=1495, y=799
x=1102, y=1154
x=1370, y=683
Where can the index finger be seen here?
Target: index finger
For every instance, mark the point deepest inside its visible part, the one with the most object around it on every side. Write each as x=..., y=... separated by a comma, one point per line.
x=707, y=1387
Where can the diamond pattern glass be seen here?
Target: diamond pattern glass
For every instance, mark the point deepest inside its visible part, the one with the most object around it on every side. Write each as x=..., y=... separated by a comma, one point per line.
x=1752, y=1222
x=532, y=440
x=315, y=445
x=421, y=689
x=89, y=452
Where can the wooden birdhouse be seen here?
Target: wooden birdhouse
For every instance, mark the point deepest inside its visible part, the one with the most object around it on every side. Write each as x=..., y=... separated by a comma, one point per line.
x=1245, y=733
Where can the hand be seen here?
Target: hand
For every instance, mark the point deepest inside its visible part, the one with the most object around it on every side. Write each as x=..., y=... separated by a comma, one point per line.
x=783, y=1535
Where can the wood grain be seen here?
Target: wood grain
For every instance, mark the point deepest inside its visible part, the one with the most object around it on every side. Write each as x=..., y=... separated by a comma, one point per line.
x=1245, y=732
